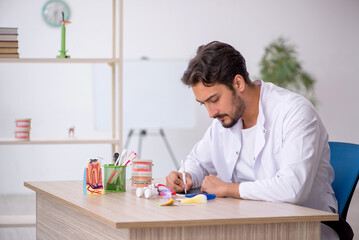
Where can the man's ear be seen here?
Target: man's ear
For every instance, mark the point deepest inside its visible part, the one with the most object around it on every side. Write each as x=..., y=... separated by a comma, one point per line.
x=239, y=83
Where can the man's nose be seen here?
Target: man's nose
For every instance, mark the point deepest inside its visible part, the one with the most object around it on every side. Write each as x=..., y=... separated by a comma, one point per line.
x=211, y=111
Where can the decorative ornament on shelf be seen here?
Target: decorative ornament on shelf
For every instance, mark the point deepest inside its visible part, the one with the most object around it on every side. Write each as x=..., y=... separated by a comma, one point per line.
x=72, y=132
x=51, y=12
x=281, y=66
x=63, y=38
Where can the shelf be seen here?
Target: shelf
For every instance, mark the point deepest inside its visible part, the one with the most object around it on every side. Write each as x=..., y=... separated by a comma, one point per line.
x=115, y=61
x=12, y=141
x=60, y=60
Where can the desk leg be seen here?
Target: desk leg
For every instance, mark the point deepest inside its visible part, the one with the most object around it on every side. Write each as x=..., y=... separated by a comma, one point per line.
x=272, y=231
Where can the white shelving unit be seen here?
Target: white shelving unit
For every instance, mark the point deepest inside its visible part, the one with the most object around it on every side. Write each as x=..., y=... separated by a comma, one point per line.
x=115, y=140
x=115, y=62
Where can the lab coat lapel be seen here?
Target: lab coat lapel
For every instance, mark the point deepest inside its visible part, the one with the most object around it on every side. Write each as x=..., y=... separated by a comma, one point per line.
x=231, y=149
x=260, y=134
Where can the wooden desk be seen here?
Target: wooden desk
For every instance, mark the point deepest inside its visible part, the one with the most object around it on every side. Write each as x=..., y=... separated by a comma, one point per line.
x=63, y=212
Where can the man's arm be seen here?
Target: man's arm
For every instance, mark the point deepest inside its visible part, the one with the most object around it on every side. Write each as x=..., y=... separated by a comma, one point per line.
x=212, y=184
x=199, y=162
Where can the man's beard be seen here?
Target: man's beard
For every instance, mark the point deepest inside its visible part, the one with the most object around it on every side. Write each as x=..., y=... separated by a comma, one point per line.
x=239, y=108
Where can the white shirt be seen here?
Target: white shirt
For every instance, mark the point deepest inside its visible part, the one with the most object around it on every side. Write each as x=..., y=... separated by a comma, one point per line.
x=291, y=153
x=245, y=164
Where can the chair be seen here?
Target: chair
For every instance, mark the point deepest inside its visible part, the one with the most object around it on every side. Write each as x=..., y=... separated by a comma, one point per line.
x=345, y=162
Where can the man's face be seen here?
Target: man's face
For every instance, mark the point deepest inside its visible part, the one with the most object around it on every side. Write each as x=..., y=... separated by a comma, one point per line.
x=221, y=103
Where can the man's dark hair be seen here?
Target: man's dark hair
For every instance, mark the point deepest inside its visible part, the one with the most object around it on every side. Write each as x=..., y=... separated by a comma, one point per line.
x=216, y=62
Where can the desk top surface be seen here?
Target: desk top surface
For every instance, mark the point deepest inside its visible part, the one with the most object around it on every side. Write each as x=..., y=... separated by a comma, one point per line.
x=125, y=210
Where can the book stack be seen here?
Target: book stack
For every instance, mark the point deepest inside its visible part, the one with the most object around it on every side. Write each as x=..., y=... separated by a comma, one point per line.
x=8, y=43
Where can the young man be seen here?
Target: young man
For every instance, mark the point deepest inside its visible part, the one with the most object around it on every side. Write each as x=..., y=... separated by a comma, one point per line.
x=265, y=142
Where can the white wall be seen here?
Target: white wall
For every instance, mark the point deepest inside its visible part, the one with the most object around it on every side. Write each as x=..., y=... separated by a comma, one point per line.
x=57, y=96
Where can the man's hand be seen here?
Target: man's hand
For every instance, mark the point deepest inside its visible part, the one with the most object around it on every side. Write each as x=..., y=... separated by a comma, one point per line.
x=174, y=180
x=212, y=184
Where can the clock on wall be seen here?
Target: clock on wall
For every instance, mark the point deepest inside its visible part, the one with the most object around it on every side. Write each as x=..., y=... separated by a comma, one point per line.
x=52, y=12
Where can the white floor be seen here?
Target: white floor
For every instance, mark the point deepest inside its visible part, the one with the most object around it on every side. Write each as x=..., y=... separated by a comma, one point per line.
x=18, y=205
x=25, y=205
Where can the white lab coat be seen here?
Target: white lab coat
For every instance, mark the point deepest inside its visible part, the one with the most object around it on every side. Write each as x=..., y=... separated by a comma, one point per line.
x=291, y=153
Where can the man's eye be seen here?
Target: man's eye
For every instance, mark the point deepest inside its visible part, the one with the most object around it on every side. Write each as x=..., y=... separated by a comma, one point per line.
x=215, y=100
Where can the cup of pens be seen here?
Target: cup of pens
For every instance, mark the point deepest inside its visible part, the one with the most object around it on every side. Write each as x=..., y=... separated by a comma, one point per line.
x=115, y=178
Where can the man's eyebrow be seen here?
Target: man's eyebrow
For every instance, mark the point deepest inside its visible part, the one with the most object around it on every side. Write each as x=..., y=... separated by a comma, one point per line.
x=207, y=98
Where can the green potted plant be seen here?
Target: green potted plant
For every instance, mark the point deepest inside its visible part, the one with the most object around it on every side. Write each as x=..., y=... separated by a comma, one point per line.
x=281, y=66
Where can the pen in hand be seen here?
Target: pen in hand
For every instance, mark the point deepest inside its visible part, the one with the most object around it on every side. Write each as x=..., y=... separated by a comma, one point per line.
x=184, y=177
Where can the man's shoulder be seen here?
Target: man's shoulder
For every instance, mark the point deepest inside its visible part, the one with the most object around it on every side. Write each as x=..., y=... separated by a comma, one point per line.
x=278, y=97
x=278, y=104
